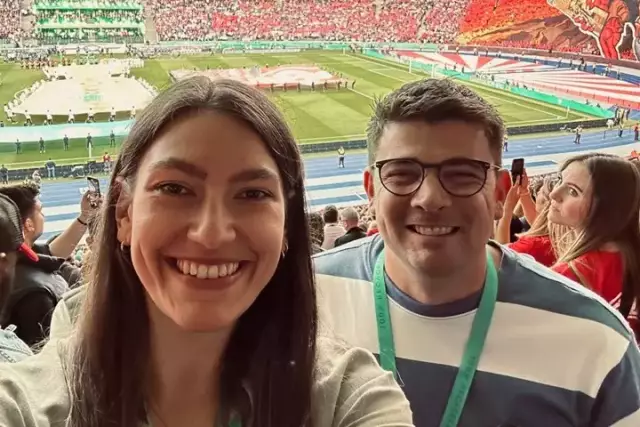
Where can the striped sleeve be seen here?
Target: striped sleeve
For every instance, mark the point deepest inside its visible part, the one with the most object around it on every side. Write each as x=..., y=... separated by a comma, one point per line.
x=618, y=401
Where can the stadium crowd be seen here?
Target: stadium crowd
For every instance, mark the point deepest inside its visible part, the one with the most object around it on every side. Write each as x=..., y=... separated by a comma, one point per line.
x=9, y=19
x=338, y=20
x=431, y=21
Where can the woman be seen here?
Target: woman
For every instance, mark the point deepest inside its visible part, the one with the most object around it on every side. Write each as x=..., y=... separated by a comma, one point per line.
x=538, y=241
x=12, y=349
x=200, y=308
x=598, y=197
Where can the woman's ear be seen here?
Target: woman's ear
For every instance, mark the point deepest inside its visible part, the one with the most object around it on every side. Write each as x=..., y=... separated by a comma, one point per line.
x=123, y=212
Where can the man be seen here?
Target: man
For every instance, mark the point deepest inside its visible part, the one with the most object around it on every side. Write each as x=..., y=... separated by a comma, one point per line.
x=332, y=230
x=4, y=174
x=38, y=285
x=89, y=141
x=12, y=349
x=548, y=351
x=341, y=157
x=65, y=142
x=51, y=169
x=351, y=223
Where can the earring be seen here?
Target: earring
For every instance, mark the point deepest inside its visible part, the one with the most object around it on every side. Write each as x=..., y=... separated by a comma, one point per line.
x=123, y=247
x=285, y=248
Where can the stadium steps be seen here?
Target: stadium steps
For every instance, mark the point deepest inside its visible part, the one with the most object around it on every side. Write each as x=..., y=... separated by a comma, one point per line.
x=28, y=21
x=150, y=33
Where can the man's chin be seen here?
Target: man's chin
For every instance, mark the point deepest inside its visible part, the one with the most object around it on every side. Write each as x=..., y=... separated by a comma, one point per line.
x=431, y=262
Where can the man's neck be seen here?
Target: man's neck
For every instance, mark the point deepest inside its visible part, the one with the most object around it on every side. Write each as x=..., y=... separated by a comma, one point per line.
x=437, y=290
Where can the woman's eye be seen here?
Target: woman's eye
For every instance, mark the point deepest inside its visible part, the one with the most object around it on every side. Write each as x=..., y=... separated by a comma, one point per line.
x=171, y=189
x=254, y=194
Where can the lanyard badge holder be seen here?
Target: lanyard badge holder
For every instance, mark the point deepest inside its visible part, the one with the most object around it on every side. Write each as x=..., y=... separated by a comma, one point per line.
x=473, y=347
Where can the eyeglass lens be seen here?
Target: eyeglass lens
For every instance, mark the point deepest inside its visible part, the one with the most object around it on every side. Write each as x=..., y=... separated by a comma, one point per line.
x=459, y=178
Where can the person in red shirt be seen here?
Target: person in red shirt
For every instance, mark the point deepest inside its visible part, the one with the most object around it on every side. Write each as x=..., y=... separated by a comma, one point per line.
x=598, y=197
x=537, y=241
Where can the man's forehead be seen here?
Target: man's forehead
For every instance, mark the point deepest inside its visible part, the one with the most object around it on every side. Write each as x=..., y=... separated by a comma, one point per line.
x=432, y=141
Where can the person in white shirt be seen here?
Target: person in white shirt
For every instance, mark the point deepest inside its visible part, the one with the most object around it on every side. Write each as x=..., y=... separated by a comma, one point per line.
x=72, y=118
x=332, y=230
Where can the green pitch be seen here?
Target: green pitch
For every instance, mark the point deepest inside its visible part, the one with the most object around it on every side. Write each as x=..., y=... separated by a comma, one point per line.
x=314, y=116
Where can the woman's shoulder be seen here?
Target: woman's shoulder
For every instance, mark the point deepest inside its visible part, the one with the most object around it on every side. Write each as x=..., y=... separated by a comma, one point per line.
x=33, y=392
x=350, y=387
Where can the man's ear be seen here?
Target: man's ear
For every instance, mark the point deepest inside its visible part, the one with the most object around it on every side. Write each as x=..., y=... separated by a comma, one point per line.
x=28, y=226
x=369, y=188
x=503, y=185
x=123, y=213
x=368, y=178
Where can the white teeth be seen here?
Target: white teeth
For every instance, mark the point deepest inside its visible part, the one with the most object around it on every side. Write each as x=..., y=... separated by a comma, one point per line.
x=203, y=271
x=213, y=271
x=433, y=231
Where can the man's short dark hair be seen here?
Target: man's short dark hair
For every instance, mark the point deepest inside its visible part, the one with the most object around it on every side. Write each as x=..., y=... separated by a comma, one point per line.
x=330, y=214
x=24, y=195
x=435, y=101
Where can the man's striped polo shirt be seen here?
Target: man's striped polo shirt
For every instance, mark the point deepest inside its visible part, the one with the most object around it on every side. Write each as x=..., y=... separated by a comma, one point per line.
x=556, y=354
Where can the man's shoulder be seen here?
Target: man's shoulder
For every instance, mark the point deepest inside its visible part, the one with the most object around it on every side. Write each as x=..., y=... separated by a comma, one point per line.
x=526, y=283
x=352, y=260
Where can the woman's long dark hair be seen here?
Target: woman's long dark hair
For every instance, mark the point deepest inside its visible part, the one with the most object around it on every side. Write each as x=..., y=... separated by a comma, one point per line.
x=268, y=366
x=614, y=217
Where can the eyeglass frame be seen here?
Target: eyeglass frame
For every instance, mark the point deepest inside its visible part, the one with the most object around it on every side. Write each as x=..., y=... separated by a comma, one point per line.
x=437, y=166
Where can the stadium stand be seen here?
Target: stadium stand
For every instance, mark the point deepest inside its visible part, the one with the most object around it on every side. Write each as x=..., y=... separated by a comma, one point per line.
x=360, y=20
x=70, y=21
x=9, y=19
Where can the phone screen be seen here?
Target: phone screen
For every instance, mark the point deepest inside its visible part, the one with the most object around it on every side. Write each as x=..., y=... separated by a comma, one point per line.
x=94, y=185
x=517, y=167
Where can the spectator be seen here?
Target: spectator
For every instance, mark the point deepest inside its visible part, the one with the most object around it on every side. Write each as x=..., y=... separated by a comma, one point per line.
x=434, y=260
x=4, y=174
x=51, y=168
x=351, y=223
x=538, y=241
x=332, y=230
x=39, y=284
x=373, y=229
x=602, y=252
x=12, y=349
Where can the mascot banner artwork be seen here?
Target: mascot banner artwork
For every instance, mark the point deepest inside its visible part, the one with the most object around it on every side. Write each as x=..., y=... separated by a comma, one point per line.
x=609, y=22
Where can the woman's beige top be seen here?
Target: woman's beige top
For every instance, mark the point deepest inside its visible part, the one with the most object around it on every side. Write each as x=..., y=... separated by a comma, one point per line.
x=350, y=389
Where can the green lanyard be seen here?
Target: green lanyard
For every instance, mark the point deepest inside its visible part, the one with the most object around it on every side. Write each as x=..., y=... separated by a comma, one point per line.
x=235, y=423
x=473, y=348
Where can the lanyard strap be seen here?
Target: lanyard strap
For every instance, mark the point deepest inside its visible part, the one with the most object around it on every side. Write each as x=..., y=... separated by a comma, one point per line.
x=473, y=348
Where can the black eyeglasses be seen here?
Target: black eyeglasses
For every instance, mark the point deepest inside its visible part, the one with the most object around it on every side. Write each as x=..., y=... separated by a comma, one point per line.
x=459, y=177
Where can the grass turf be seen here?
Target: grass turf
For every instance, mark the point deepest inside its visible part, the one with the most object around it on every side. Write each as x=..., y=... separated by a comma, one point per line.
x=314, y=116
